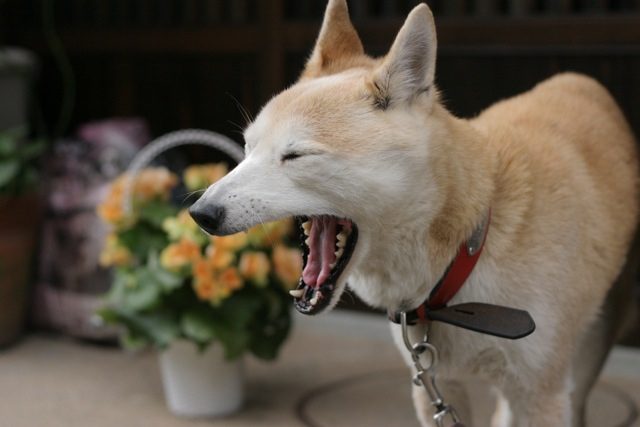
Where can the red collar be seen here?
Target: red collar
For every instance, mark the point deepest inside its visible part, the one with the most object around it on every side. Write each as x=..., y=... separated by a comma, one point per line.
x=453, y=279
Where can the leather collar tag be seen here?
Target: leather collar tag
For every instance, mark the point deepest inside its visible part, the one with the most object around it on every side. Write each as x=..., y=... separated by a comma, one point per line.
x=490, y=319
x=496, y=320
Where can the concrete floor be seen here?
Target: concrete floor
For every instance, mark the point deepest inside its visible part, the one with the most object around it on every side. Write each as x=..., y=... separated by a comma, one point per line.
x=325, y=377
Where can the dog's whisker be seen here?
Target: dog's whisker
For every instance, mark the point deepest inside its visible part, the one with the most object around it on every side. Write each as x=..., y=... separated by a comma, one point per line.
x=262, y=224
x=239, y=128
x=192, y=193
x=243, y=111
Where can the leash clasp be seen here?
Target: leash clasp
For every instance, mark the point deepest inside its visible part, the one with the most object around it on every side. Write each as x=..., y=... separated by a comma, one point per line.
x=425, y=375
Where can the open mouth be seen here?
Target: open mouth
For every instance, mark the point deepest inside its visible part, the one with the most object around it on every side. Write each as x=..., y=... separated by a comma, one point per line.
x=328, y=244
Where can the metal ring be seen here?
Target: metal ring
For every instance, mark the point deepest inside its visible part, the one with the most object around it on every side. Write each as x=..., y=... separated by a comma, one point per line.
x=447, y=410
x=423, y=347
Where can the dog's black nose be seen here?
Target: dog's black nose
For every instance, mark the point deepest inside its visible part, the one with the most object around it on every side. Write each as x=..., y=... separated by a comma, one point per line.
x=208, y=217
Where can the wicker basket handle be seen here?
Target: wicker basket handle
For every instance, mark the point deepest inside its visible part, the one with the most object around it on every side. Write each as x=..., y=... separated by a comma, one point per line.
x=176, y=139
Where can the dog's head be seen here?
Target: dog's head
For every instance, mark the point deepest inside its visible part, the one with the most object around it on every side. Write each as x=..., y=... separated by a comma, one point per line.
x=340, y=150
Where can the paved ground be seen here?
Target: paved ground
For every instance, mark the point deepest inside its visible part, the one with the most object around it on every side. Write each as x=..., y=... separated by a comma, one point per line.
x=325, y=377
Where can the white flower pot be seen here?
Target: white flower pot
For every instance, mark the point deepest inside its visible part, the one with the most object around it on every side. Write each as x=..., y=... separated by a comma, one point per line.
x=201, y=384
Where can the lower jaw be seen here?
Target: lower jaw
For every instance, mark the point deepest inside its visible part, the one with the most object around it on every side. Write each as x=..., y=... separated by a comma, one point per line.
x=325, y=294
x=316, y=299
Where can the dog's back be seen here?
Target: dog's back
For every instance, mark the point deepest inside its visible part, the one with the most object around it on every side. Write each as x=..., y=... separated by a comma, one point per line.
x=577, y=112
x=571, y=120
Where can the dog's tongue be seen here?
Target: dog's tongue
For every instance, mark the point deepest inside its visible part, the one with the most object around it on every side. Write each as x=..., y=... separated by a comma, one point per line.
x=322, y=243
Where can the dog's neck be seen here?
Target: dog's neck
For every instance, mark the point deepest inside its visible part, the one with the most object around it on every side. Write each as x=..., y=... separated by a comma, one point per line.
x=406, y=261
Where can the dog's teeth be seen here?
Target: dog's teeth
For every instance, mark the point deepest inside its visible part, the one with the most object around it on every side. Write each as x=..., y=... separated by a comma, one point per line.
x=342, y=236
x=307, y=240
x=339, y=253
x=296, y=293
x=306, y=227
x=332, y=265
x=315, y=299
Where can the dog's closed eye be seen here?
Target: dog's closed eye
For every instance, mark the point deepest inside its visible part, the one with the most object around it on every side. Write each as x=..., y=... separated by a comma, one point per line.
x=292, y=155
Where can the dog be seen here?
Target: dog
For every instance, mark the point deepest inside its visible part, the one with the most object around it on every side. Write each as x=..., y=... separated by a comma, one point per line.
x=387, y=184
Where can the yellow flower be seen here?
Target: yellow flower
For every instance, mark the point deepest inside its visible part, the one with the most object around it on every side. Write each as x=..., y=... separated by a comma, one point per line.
x=152, y=183
x=111, y=210
x=215, y=288
x=203, y=280
x=255, y=266
x=182, y=226
x=219, y=257
x=179, y=255
x=198, y=177
x=230, y=279
x=114, y=254
x=230, y=243
x=287, y=264
x=202, y=269
x=205, y=288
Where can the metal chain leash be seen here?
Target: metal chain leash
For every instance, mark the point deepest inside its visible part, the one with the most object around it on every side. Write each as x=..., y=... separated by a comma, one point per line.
x=425, y=375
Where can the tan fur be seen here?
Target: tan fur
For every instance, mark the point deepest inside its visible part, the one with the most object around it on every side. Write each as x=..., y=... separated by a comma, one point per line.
x=556, y=166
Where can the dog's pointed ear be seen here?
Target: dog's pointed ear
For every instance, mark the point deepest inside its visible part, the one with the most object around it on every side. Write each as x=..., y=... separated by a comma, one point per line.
x=409, y=68
x=337, y=40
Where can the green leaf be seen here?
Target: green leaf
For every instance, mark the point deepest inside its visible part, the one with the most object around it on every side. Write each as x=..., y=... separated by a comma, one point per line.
x=122, y=279
x=133, y=341
x=274, y=304
x=234, y=340
x=160, y=327
x=32, y=149
x=155, y=212
x=143, y=240
x=144, y=295
x=29, y=179
x=268, y=337
x=8, y=146
x=9, y=169
x=167, y=280
x=108, y=315
x=240, y=308
x=9, y=139
x=198, y=324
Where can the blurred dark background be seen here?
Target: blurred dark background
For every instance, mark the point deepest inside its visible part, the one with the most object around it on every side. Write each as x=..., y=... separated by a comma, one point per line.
x=187, y=63
x=191, y=63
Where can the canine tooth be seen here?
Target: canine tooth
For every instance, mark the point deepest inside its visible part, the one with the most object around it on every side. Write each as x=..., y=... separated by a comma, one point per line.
x=332, y=265
x=306, y=227
x=315, y=298
x=339, y=253
x=296, y=293
x=307, y=240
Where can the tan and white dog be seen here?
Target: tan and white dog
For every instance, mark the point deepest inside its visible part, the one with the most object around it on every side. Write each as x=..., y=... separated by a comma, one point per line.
x=388, y=184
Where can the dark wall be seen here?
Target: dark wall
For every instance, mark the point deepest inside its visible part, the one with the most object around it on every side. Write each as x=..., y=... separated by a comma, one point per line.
x=188, y=63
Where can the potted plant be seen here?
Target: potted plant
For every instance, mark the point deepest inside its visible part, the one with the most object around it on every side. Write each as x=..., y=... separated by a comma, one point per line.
x=19, y=218
x=204, y=301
